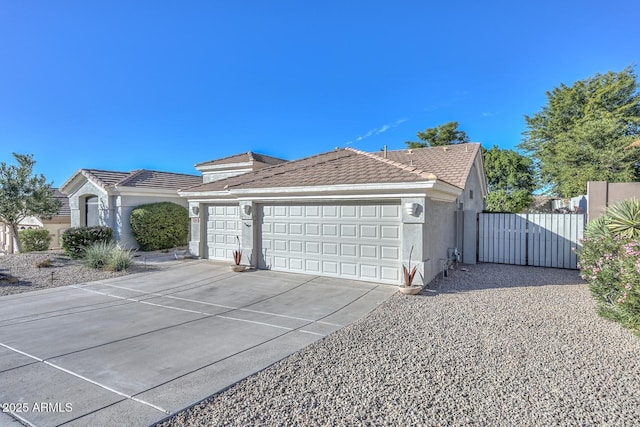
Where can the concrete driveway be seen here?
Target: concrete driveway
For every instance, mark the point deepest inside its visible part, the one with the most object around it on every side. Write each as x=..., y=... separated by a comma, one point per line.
x=135, y=349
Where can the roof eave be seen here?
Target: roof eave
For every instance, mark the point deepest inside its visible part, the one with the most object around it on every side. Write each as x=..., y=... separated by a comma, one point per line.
x=435, y=189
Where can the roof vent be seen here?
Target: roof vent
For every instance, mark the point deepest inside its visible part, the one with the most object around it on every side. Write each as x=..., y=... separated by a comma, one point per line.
x=410, y=151
x=445, y=148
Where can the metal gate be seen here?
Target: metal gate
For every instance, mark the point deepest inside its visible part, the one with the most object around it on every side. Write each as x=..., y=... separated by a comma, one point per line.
x=543, y=240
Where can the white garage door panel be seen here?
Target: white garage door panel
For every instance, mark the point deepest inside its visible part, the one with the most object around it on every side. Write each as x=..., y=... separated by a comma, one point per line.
x=361, y=242
x=223, y=225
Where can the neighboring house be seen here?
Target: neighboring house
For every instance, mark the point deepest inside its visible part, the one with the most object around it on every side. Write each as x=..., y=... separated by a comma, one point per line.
x=345, y=213
x=56, y=226
x=98, y=197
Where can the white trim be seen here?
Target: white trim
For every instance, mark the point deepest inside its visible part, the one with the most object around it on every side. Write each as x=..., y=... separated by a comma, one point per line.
x=225, y=166
x=437, y=190
x=138, y=191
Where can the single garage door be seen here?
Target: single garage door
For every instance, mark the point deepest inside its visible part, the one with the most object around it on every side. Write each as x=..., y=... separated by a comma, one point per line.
x=354, y=241
x=223, y=225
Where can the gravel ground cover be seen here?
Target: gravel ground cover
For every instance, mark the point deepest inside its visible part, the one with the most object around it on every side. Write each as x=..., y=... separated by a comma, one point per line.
x=494, y=345
x=19, y=272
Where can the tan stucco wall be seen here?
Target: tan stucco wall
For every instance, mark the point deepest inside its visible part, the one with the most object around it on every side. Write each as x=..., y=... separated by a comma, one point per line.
x=56, y=228
x=603, y=194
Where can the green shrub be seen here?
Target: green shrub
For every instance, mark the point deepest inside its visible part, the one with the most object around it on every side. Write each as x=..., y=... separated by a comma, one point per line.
x=108, y=255
x=120, y=259
x=160, y=225
x=97, y=254
x=610, y=262
x=76, y=239
x=34, y=239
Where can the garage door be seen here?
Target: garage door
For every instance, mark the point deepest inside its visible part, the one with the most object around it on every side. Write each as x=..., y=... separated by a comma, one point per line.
x=223, y=225
x=354, y=241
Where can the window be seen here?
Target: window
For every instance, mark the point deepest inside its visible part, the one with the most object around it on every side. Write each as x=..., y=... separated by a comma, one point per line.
x=470, y=194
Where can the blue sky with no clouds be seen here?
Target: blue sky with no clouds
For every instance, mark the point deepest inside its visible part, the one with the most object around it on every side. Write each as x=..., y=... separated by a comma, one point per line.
x=123, y=85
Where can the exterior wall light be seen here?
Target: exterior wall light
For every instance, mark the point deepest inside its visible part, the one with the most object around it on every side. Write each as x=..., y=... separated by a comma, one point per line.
x=411, y=208
x=195, y=210
x=246, y=209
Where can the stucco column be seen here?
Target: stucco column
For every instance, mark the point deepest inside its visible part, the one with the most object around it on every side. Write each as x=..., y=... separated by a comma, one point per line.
x=248, y=222
x=74, y=207
x=197, y=216
x=413, y=245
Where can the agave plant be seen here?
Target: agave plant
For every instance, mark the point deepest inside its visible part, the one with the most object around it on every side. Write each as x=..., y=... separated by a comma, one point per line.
x=237, y=255
x=623, y=219
x=409, y=273
x=597, y=229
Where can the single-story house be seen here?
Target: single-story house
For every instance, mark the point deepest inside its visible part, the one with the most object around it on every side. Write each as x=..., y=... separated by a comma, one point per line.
x=106, y=198
x=56, y=225
x=345, y=213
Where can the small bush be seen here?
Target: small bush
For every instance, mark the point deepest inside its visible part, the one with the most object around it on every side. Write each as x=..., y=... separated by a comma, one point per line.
x=97, y=254
x=35, y=239
x=108, y=255
x=120, y=259
x=610, y=262
x=75, y=240
x=160, y=225
x=45, y=263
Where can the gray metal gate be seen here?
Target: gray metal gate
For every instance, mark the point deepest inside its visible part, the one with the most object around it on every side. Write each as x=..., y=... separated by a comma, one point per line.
x=543, y=240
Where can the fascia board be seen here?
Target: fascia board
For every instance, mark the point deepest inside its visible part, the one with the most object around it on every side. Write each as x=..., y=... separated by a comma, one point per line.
x=340, y=188
x=133, y=191
x=437, y=190
x=225, y=167
x=74, y=184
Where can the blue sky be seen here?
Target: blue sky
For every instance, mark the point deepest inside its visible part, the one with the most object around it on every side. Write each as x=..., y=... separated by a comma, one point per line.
x=124, y=85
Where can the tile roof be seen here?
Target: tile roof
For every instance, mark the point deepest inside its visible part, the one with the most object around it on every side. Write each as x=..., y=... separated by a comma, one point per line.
x=64, y=210
x=142, y=178
x=350, y=166
x=450, y=163
x=242, y=158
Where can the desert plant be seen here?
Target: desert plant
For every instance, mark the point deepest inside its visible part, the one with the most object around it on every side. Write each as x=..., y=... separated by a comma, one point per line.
x=623, y=219
x=237, y=255
x=35, y=239
x=97, y=255
x=76, y=239
x=610, y=262
x=160, y=225
x=119, y=259
x=409, y=273
x=597, y=228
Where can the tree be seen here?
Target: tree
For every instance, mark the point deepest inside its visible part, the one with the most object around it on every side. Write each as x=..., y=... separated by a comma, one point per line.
x=510, y=180
x=446, y=134
x=584, y=131
x=23, y=194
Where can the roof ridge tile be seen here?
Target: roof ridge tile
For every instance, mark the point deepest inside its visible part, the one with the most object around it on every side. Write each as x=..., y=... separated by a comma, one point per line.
x=131, y=175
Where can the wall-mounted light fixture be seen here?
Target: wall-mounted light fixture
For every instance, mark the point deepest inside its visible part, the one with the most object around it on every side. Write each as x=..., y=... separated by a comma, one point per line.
x=195, y=210
x=246, y=209
x=411, y=208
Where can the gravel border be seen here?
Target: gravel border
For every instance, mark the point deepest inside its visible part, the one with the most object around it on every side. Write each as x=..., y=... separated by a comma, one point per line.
x=494, y=345
x=24, y=276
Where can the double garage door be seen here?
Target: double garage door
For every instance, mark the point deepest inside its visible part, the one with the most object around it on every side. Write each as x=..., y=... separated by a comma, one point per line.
x=353, y=241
